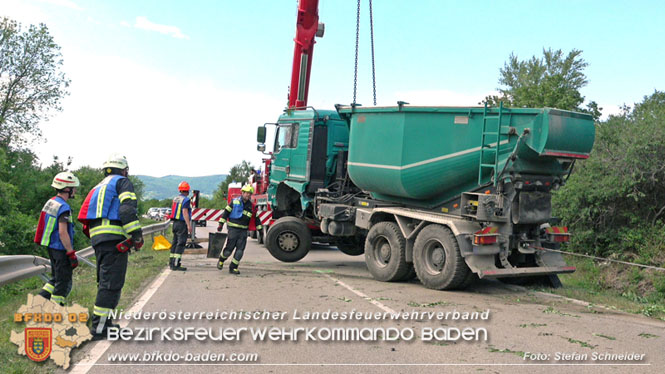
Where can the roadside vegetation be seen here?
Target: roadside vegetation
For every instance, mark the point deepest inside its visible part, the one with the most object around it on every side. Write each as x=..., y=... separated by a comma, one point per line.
x=143, y=267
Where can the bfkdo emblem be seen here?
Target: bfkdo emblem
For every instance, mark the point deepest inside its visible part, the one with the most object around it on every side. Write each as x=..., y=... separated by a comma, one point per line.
x=38, y=343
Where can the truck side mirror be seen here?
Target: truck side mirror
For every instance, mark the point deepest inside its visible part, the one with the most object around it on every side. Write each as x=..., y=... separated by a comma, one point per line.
x=261, y=135
x=261, y=148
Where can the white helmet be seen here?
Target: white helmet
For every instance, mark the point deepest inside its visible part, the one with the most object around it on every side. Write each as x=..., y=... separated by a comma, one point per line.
x=65, y=179
x=116, y=161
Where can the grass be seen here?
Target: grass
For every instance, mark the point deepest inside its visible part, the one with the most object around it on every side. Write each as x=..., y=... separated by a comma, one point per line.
x=614, y=286
x=143, y=267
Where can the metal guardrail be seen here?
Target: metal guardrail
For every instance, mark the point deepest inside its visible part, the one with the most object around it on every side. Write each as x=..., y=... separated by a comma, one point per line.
x=17, y=267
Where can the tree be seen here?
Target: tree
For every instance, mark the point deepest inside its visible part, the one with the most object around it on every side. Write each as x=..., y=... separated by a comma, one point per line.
x=551, y=81
x=615, y=201
x=238, y=174
x=31, y=82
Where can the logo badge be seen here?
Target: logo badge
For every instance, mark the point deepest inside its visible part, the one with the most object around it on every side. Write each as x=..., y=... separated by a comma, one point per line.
x=38, y=343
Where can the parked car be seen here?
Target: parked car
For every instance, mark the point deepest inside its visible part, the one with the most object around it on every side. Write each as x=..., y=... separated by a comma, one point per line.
x=153, y=213
x=164, y=213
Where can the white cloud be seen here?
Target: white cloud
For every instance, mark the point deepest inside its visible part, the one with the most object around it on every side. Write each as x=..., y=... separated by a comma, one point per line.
x=163, y=124
x=63, y=3
x=23, y=12
x=125, y=24
x=145, y=24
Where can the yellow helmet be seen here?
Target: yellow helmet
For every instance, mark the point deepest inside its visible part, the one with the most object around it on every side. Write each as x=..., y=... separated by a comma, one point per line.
x=116, y=161
x=247, y=188
x=65, y=179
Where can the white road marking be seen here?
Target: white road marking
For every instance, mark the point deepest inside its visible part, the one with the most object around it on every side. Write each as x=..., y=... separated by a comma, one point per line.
x=378, y=304
x=101, y=346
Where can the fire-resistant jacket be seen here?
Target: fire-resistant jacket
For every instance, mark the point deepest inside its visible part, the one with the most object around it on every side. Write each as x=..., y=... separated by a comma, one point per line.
x=48, y=233
x=110, y=210
x=238, y=213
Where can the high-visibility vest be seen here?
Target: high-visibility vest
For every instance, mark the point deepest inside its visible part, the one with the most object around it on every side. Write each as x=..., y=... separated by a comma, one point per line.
x=48, y=233
x=237, y=209
x=176, y=208
x=103, y=202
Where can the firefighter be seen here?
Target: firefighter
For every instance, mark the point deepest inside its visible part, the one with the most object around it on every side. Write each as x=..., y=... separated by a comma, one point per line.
x=181, y=213
x=55, y=231
x=238, y=215
x=109, y=214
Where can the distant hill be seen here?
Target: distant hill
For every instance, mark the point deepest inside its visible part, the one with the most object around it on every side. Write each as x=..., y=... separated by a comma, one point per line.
x=166, y=187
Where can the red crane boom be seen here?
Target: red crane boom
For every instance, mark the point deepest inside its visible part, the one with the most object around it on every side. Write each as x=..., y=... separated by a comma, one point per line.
x=307, y=27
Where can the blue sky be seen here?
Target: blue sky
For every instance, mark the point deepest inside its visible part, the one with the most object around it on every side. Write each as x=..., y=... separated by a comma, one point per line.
x=179, y=87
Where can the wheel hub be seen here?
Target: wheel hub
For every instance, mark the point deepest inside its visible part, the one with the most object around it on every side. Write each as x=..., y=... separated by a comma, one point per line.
x=288, y=241
x=435, y=256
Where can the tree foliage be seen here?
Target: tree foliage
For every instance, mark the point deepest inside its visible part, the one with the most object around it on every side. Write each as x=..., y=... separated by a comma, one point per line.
x=239, y=174
x=552, y=81
x=615, y=200
x=31, y=82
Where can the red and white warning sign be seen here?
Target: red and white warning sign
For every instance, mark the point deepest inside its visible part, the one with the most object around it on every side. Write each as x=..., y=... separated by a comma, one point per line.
x=204, y=214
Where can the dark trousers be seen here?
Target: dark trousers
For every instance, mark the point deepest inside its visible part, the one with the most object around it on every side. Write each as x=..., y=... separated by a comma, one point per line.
x=179, y=241
x=237, y=240
x=60, y=284
x=111, y=270
x=179, y=237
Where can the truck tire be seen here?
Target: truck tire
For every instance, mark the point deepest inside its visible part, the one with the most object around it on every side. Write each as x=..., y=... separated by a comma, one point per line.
x=385, y=252
x=437, y=259
x=289, y=239
x=351, y=246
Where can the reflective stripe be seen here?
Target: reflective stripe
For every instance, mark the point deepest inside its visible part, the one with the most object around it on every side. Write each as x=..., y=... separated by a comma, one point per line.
x=132, y=226
x=259, y=227
x=107, y=228
x=231, y=224
x=100, y=200
x=127, y=195
x=176, y=255
x=172, y=255
x=58, y=299
x=101, y=324
x=248, y=214
x=221, y=263
x=222, y=220
x=48, y=287
x=50, y=225
x=228, y=207
x=236, y=202
x=101, y=311
x=235, y=261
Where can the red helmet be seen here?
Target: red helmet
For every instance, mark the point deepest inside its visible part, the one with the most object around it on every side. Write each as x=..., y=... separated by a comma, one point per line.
x=183, y=186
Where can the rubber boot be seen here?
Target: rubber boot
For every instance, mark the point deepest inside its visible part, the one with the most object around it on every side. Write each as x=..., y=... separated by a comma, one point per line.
x=171, y=262
x=233, y=269
x=220, y=264
x=179, y=267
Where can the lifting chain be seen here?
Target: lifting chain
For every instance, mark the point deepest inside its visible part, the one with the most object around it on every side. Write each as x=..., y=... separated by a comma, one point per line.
x=355, y=70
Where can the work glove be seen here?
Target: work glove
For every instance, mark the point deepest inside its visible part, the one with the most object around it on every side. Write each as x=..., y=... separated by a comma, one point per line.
x=259, y=228
x=220, y=227
x=73, y=260
x=137, y=238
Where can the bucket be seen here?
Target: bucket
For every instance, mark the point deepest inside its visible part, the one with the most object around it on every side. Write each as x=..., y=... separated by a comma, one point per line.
x=216, y=242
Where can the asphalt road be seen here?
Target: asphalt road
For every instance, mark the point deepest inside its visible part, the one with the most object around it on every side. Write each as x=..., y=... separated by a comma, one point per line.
x=519, y=321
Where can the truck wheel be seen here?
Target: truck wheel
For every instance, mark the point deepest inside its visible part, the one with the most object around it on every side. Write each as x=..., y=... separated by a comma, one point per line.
x=385, y=252
x=289, y=239
x=437, y=259
x=351, y=246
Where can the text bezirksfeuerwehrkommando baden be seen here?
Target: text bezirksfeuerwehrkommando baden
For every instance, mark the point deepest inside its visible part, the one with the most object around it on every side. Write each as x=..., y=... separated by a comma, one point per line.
x=297, y=315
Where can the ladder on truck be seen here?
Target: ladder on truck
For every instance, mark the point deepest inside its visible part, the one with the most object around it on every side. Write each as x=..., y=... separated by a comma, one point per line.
x=490, y=141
